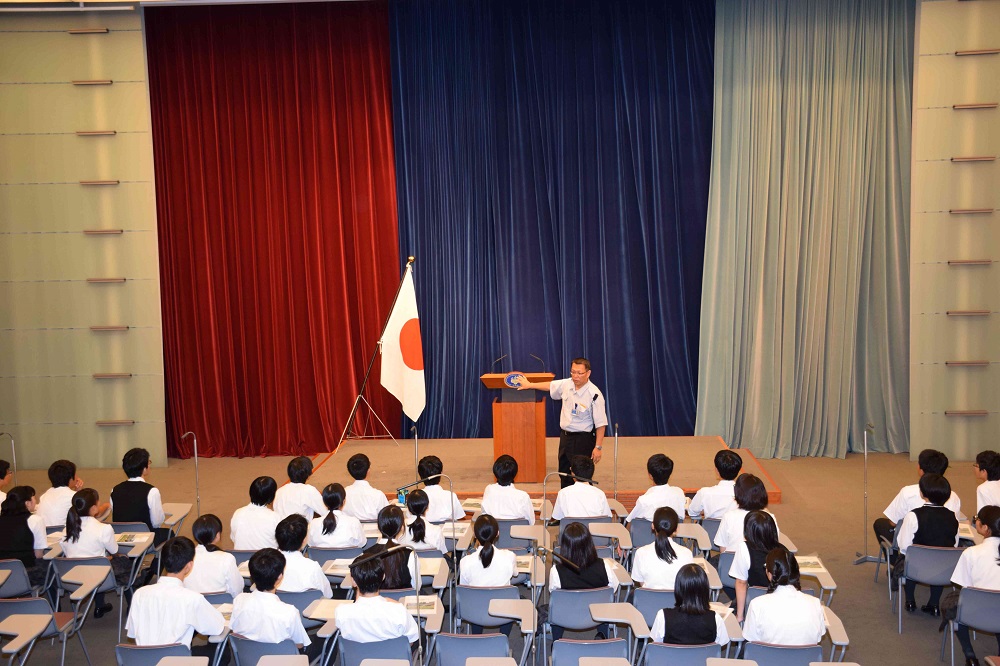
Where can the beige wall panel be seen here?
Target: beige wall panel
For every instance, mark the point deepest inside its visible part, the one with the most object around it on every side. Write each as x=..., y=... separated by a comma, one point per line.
x=85, y=444
x=940, y=237
x=943, y=287
x=941, y=134
x=946, y=27
x=32, y=305
x=81, y=352
x=961, y=438
x=61, y=21
x=58, y=158
x=72, y=207
x=35, y=57
x=947, y=78
x=123, y=107
x=947, y=185
x=941, y=387
x=936, y=338
x=76, y=256
x=81, y=399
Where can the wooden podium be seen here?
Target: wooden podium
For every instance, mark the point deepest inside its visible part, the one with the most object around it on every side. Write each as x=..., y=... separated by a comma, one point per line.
x=519, y=425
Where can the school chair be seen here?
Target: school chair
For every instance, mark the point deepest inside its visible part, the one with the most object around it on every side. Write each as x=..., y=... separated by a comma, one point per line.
x=977, y=609
x=353, y=653
x=248, y=652
x=680, y=655
x=504, y=539
x=570, y=609
x=61, y=625
x=782, y=655
x=474, y=602
x=324, y=555
x=711, y=526
x=651, y=602
x=602, y=544
x=567, y=652
x=149, y=655
x=17, y=583
x=241, y=555
x=454, y=649
x=641, y=531
x=301, y=601
x=63, y=565
x=927, y=565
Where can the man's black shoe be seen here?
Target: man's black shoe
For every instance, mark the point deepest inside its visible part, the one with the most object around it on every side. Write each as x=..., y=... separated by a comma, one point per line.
x=101, y=611
x=910, y=606
x=931, y=610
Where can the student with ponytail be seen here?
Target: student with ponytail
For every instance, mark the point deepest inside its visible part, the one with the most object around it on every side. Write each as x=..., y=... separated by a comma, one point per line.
x=979, y=566
x=421, y=534
x=760, y=538
x=400, y=567
x=336, y=529
x=213, y=569
x=656, y=565
x=22, y=535
x=88, y=537
x=487, y=566
x=785, y=615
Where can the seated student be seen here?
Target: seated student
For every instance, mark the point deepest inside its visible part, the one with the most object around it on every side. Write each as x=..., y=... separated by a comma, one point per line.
x=932, y=524
x=785, y=615
x=252, y=526
x=56, y=501
x=751, y=495
x=88, y=537
x=760, y=537
x=501, y=499
x=444, y=505
x=213, y=570
x=581, y=500
x=714, y=501
x=420, y=534
x=487, y=566
x=691, y=621
x=300, y=572
x=400, y=567
x=656, y=565
x=371, y=617
x=577, y=546
x=908, y=498
x=336, y=529
x=979, y=567
x=363, y=501
x=260, y=615
x=6, y=475
x=168, y=612
x=22, y=535
x=988, y=471
x=297, y=496
x=659, y=468
x=135, y=500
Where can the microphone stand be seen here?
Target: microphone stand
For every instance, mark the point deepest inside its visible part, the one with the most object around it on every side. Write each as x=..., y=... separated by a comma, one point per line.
x=13, y=454
x=616, y=462
x=197, y=482
x=863, y=558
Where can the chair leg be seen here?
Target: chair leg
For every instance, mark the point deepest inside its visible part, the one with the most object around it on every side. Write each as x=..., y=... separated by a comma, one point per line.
x=121, y=609
x=79, y=636
x=899, y=604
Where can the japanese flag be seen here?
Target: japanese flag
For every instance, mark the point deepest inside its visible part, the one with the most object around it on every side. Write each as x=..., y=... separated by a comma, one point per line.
x=402, y=354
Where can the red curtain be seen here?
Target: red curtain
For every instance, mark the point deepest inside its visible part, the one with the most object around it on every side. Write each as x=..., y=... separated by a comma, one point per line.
x=275, y=192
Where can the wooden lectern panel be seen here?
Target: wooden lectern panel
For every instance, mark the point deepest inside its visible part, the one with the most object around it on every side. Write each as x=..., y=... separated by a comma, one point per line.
x=519, y=431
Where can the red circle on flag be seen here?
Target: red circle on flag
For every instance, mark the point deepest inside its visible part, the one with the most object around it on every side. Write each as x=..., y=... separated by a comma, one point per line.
x=409, y=345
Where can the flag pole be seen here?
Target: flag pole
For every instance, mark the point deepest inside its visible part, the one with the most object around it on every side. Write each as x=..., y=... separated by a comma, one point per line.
x=371, y=362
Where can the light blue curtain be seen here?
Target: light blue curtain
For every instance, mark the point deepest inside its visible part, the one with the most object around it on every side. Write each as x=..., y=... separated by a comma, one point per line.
x=805, y=315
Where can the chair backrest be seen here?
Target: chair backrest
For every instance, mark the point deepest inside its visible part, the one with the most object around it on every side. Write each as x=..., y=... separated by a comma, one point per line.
x=241, y=555
x=681, y=655
x=931, y=565
x=63, y=565
x=353, y=653
x=301, y=601
x=29, y=606
x=782, y=655
x=17, y=583
x=641, y=531
x=568, y=653
x=249, y=652
x=52, y=529
x=398, y=594
x=474, y=604
x=711, y=526
x=121, y=528
x=324, y=555
x=651, y=602
x=725, y=563
x=979, y=609
x=454, y=649
x=504, y=539
x=571, y=608
x=216, y=598
x=599, y=542
x=149, y=655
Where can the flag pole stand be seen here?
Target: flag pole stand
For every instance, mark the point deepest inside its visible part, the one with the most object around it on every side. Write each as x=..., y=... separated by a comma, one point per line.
x=364, y=383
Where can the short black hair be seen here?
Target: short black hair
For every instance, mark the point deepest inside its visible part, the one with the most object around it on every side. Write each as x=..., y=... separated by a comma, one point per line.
x=206, y=528
x=300, y=469
x=266, y=567
x=430, y=466
x=987, y=461
x=728, y=464
x=291, y=532
x=369, y=574
x=262, y=490
x=4, y=468
x=660, y=467
x=134, y=462
x=932, y=461
x=750, y=493
x=358, y=466
x=505, y=469
x=579, y=360
x=61, y=472
x=582, y=466
x=176, y=553
x=935, y=488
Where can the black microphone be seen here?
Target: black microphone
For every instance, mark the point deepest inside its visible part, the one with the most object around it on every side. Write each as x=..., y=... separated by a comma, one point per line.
x=381, y=553
x=578, y=478
x=418, y=482
x=497, y=361
x=572, y=565
x=539, y=360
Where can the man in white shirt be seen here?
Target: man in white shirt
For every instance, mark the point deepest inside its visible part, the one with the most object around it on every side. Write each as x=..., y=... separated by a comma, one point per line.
x=363, y=501
x=300, y=572
x=581, y=500
x=167, y=612
x=714, y=501
x=371, y=617
x=252, y=526
x=297, y=496
x=260, y=615
x=444, y=505
x=987, y=468
x=54, y=503
x=659, y=468
x=501, y=499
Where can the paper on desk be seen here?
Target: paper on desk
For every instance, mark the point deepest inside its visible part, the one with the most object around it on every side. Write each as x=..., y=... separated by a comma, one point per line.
x=722, y=610
x=55, y=537
x=965, y=531
x=472, y=503
x=457, y=533
x=810, y=564
x=370, y=530
x=524, y=563
x=126, y=537
x=327, y=608
x=226, y=610
x=426, y=603
x=244, y=569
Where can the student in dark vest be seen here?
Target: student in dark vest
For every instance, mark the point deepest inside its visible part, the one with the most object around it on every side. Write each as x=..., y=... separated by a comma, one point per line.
x=22, y=535
x=577, y=545
x=6, y=475
x=136, y=500
x=760, y=536
x=400, y=567
x=932, y=524
x=691, y=621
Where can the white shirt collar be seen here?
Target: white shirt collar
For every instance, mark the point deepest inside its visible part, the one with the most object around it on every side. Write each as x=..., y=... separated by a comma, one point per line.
x=360, y=482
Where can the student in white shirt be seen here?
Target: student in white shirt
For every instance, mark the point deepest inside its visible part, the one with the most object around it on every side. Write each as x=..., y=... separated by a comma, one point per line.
x=987, y=468
x=22, y=534
x=168, y=612
x=444, y=505
x=785, y=615
x=88, y=537
x=56, y=501
x=300, y=572
x=363, y=501
x=213, y=569
x=487, y=566
x=297, y=496
x=6, y=476
x=751, y=495
x=373, y=618
x=691, y=621
x=581, y=500
x=260, y=615
x=714, y=501
x=659, y=468
x=748, y=569
x=577, y=546
x=656, y=565
x=501, y=499
x=401, y=567
x=252, y=526
x=979, y=566
x=420, y=534
x=336, y=529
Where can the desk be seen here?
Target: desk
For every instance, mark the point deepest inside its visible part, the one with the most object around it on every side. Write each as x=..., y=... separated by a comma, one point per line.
x=385, y=662
x=521, y=610
x=283, y=660
x=4, y=575
x=714, y=582
x=141, y=542
x=176, y=513
x=966, y=532
x=534, y=566
x=88, y=577
x=835, y=630
x=695, y=532
x=621, y=613
x=785, y=541
x=603, y=661
x=820, y=574
x=462, y=534
x=624, y=579
x=536, y=533
x=716, y=661
x=490, y=661
x=617, y=508
x=25, y=629
x=614, y=531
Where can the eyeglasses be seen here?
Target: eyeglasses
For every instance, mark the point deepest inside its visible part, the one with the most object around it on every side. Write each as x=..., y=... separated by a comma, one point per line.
x=578, y=374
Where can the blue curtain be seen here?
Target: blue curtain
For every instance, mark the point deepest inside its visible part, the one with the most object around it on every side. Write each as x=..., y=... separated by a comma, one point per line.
x=552, y=176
